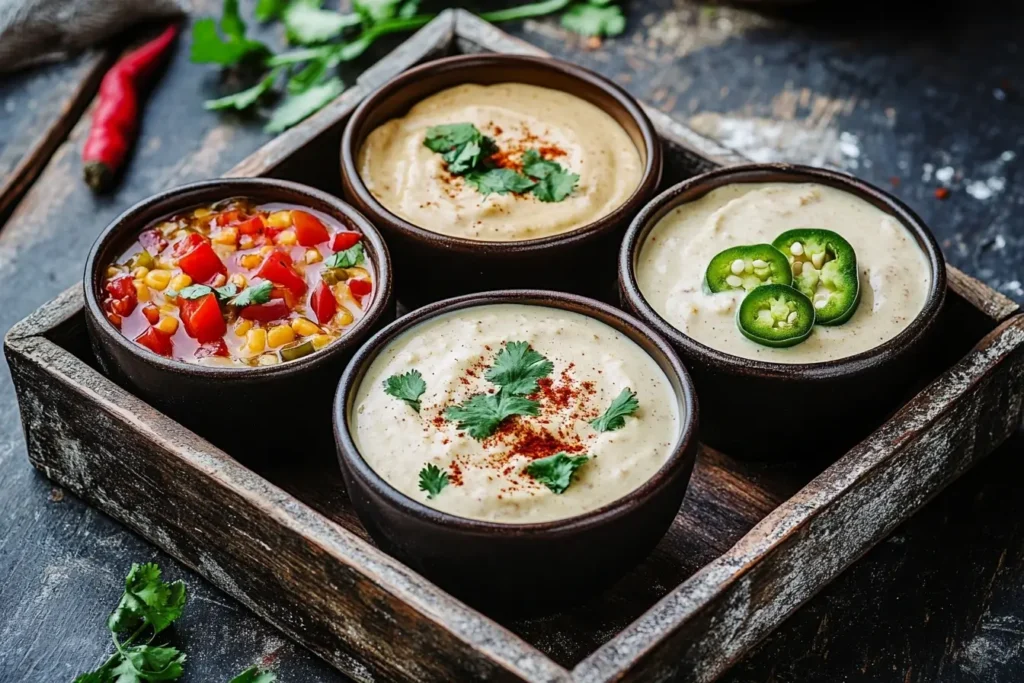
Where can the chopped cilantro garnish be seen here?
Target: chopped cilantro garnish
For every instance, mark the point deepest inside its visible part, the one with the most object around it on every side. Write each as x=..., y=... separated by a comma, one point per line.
x=556, y=471
x=536, y=166
x=462, y=146
x=408, y=387
x=518, y=367
x=615, y=417
x=432, y=480
x=348, y=258
x=256, y=294
x=194, y=292
x=499, y=180
x=555, y=186
x=481, y=414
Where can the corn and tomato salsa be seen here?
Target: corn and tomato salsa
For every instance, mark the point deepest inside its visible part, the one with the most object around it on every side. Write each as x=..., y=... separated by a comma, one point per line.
x=239, y=284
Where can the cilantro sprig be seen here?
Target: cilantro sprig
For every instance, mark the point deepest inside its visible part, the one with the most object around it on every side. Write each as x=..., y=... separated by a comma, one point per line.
x=462, y=146
x=253, y=295
x=408, y=387
x=556, y=471
x=432, y=480
x=517, y=368
x=199, y=291
x=614, y=417
x=349, y=258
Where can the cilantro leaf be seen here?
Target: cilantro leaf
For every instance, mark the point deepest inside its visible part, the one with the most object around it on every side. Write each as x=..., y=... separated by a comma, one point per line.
x=533, y=9
x=349, y=258
x=555, y=186
x=253, y=295
x=376, y=10
x=245, y=98
x=228, y=291
x=615, y=417
x=593, y=19
x=432, y=480
x=208, y=47
x=149, y=663
x=270, y=9
x=536, y=166
x=408, y=387
x=517, y=368
x=255, y=675
x=307, y=24
x=195, y=292
x=147, y=600
x=481, y=414
x=461, y=145
x=297, y=107
x=556, y=471
x=499, y=180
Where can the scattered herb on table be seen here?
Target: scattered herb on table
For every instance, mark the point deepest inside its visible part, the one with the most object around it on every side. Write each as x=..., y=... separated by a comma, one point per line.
x=556, y=471
x=326, y=38
x=408, y=387
x=623, y=405
x=432, y=480
x=254, y=674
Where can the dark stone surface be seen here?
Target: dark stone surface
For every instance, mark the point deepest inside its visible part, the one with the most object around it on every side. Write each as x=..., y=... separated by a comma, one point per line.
x=941, y=600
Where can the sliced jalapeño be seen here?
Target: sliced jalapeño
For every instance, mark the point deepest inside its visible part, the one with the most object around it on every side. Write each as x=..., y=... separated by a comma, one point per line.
x=775, y=315
x=747, y=267
x=825, y=269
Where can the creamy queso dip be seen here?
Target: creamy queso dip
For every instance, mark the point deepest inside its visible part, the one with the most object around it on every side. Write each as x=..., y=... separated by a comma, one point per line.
x=895, y=275
x=412, y=182
x=593, y=363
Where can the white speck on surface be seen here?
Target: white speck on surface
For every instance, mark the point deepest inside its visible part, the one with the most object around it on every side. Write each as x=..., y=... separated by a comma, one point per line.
x=979, y=189
x=999, y=242
x=945, y=174
x=849, y=145
x=926, y=173
x=999, y=94
x=1013, y=288
x=1008, y=155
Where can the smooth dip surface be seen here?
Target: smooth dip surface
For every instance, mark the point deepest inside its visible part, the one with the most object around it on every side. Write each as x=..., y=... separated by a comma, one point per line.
x=894, y=272
x=593, y=363
x=411, y=181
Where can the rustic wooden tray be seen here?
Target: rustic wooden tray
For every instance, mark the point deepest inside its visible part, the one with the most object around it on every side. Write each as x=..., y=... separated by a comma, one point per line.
x=751, y=542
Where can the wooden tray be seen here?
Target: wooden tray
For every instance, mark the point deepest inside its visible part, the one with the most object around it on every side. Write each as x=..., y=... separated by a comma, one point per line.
x=751, y=543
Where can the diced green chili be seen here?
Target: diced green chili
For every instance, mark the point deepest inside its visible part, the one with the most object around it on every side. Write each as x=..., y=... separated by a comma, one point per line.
x=333, y=276
x=297, y=351
x=825, y=270
x=747, y=267
x=775, y=315
x=141, y=260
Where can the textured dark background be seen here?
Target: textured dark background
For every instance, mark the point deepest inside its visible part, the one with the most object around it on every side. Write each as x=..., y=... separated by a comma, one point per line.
x=924, y=98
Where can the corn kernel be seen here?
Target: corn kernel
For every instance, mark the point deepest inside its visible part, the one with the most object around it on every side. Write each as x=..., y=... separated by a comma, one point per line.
x=157, y=279
x=113, y=272
x=321, y=340
x=178, y=234
x=250, y=260
x=287, y=238
x=304, y=328
x=226, y=236
x=180, y=282
x=266, y=250
x=243, y=327
x=141, y=290
x=168, y=308
x=269, y=359
x=313, y=256
x=280, y=335
x=256, y=340
x=359, y=273
x=219, y=280
x=280, y=220
x=140, y=272
x=239, y=280
x=343, y=317
x=245, y=242
x=165, y=263
x=167, y=325
x=201, y=212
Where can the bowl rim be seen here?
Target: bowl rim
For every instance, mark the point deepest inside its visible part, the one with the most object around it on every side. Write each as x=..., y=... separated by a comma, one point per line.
x=134, y=219
x=683, y=452
x=650, y=179
x=848, y=366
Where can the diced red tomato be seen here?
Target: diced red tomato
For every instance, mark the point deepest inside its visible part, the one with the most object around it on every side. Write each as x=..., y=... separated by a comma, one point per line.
x=253, y=226
x=114, y=319
x=229, y=217
x=152, y=241
x=187, y=244
x=123, y=297
x=156, y=341
x=202, y=263
x=323, y=303
x=345, y=240
x=214, y=348
x=360, y=288
x=275, y=309
x=308, y=228
x=152, y=313
x=202, y=318
x=277, y=268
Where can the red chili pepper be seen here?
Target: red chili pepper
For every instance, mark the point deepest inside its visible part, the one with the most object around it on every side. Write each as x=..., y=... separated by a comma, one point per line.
x=202, y=318
x=345, y=240
x=360, y=288
x=275, y=309
x=277, y=268
x=309, y=231
x=115, y=122
x=323, y=303
x=156, y=341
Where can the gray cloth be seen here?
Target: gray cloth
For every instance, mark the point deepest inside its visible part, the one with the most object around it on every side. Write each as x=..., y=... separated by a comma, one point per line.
x=34, y=31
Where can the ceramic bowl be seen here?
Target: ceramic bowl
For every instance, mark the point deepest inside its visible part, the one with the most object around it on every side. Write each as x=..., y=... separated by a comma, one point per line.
x=510, y=567
x=231, y=406
x=431, y=266
x=846, y=397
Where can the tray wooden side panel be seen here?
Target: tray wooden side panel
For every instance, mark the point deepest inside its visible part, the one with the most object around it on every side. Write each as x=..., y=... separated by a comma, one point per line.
x=312, y=579
x=702, y=627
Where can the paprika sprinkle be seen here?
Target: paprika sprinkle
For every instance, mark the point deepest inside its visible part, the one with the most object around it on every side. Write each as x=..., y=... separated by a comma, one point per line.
x=115, y=123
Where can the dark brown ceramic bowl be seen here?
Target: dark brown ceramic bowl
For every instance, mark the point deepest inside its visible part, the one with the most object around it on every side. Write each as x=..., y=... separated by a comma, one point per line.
x=511, y=567
x=431, y=266
x=241, y=409
x=830, y=405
